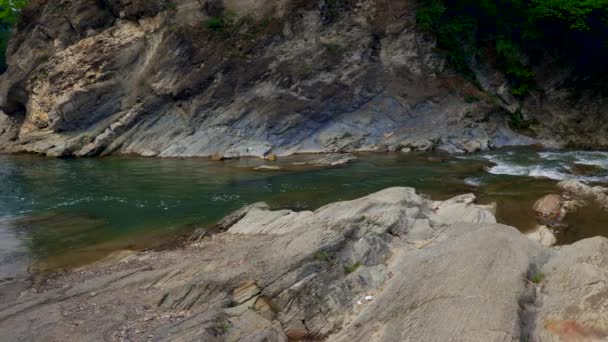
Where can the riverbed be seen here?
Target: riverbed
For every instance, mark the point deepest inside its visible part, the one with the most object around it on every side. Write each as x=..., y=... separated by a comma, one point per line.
x=63, y=213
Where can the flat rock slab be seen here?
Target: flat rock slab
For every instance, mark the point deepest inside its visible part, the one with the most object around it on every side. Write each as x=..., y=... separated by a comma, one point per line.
x=390, y=266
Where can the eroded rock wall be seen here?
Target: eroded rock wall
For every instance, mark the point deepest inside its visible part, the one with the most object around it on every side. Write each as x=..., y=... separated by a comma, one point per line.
x=155, y=78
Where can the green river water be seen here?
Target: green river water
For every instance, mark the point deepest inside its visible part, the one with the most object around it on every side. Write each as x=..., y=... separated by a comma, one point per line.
x=61, y=213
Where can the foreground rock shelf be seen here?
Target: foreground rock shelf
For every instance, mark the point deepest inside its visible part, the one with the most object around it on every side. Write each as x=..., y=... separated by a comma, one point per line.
x=391, y=266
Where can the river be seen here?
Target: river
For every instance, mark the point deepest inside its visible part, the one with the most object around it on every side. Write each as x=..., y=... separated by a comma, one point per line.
x=62, y=213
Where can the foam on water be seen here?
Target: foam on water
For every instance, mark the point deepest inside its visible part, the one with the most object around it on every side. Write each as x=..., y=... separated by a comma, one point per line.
x=556, y=165
x=473, y=181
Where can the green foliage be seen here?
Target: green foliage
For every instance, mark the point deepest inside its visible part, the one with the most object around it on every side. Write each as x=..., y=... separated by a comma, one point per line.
x=216, y=24
x=538, y=278
x=510, y=58
x=332, y=9
x=171, y=6
x=428, y=17
x=222, y=23
x=352, y=268
x=518, y=122
x=457, y=37
x=10, y=12
x=578, y=15
x=519, y=32
x=5, y=35
x=470, y=99
x=322, y=256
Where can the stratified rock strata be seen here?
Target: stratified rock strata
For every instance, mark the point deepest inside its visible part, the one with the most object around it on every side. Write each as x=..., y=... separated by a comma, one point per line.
x=155, y=78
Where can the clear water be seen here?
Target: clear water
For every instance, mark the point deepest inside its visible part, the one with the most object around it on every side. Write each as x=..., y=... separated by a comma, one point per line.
x=59, y=213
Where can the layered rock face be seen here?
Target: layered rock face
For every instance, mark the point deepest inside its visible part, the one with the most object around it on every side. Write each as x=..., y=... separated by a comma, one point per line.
x=235, y=78
x=392, y=266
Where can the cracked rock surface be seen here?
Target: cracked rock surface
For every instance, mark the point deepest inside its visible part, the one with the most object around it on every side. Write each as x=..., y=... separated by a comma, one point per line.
x=391, y=266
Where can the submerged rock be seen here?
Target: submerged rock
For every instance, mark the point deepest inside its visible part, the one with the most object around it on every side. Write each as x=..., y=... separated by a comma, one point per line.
x=332, y=159
x=267, y=168
x=391, y=266
x=587, y=170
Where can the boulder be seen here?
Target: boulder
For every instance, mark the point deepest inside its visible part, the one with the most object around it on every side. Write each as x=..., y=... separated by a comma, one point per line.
x=417, y=144
x=574, y=297
x=474, y=145
x=549, y=205
x=550, y=210
x=450, y=148
x=462, y=209
x=583, y=191
x=543, y=235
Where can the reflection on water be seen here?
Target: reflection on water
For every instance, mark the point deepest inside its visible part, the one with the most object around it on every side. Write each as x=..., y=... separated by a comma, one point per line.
x=63, y=213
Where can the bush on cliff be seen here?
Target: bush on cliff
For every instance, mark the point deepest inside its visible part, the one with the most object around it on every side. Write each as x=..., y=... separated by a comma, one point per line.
x=517, y=33
x=10, y=11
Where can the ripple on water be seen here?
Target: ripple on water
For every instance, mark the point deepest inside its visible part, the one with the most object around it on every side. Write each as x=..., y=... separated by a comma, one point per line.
x=555, y=165
x=79, y=210
x=473, y=181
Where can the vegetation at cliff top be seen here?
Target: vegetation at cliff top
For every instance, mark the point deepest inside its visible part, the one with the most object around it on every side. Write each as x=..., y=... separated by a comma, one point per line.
x=516, y=34
x=10, y=11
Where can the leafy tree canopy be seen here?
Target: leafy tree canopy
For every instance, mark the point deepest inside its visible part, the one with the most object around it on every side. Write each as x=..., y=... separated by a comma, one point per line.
x=10, y=12
x=519, y=32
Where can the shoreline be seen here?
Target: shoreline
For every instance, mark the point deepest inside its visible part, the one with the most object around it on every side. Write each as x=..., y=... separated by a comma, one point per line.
x=291, y=164
x=366, y=248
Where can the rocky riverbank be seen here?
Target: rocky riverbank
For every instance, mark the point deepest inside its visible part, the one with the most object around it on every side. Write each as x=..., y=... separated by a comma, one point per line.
x=389, y=266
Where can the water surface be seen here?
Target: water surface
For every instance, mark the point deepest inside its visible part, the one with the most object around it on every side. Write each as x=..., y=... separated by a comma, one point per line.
x=68, y=212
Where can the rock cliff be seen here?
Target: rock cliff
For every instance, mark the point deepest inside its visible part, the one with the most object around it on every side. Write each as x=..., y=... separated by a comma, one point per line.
x=391, y=266
x=249, y=78
x=235, y=78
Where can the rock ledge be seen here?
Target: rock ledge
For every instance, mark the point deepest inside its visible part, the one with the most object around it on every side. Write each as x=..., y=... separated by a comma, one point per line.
x=391, y=266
